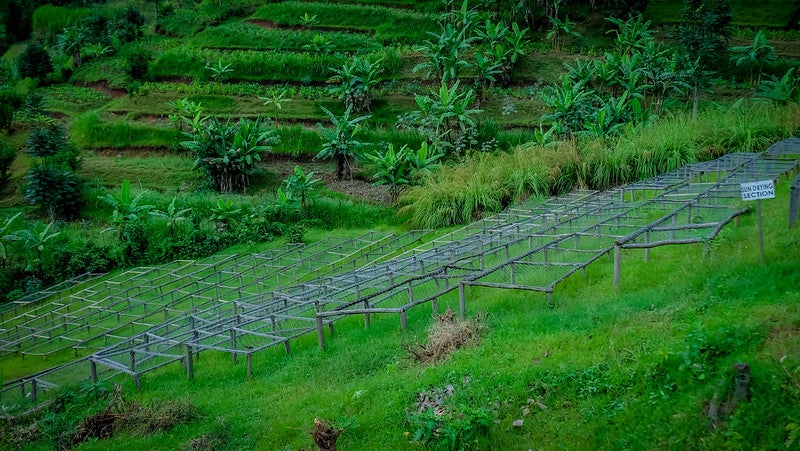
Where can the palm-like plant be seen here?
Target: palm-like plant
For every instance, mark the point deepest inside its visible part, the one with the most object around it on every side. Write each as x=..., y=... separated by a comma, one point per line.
x=223, y=213
x=755, y=56
x=340, y=143
x=228, y=151
x=781, y=90
x=355, y=82
x=308, y=20
x=320, y=44
x=560, y=29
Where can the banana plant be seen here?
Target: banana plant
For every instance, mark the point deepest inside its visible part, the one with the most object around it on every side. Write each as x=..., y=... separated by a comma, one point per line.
x=393, y=169
x=276, y=100
x=783, y=90
x=37, y=241
x=126, y=207
x=300, y=185
x=173, y=215
x=220, y=71
x=356, y=81
x=7, y=234
x=755, y=56
x=223, y=213
x=423, y=161
x=340, y=143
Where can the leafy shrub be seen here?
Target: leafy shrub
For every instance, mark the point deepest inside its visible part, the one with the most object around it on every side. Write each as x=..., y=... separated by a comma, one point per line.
x=7, y=155
x=10, y=101
x=34, y=62
x=460, y=428
x=138, y=60
x=56, y=191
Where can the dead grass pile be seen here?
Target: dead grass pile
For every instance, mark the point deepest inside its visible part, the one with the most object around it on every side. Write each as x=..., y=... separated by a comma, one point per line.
x=325, y=435
x=130, y=416
x=445, y=336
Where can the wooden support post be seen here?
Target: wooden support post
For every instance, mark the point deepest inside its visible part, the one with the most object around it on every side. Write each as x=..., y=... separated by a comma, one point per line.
x=132, y=364
x=647, y=249
x=617, y=264
x=513, y=274
x=320, y=328
x=550, y=299
x=34, y=387
x=249, y=365
x=462, y=301
x=233, y=345
x=760, y=230
x=330, y=327
x=189, y=363
x=366, y=315
x=403, y=320
x=287, y=347
x=93, y=371
x=435, y=306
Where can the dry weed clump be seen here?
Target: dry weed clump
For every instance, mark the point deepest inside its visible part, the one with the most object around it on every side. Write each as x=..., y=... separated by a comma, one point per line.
x=445, y=336
x=325, y=435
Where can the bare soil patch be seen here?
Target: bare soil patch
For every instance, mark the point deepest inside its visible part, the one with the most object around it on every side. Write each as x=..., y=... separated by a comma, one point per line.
x=102, y=86
x=326, y=171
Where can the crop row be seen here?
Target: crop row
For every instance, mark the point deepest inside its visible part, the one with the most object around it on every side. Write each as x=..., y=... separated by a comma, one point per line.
x=388, y=24
x=245, y=35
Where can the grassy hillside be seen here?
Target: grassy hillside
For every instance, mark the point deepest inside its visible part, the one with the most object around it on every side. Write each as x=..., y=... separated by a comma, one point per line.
x=605, y=368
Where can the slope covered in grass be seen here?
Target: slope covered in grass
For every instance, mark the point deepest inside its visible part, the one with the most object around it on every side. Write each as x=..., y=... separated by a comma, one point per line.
x=635, y=367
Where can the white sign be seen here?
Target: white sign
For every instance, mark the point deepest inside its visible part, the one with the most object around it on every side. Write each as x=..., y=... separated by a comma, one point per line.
x=764, y=189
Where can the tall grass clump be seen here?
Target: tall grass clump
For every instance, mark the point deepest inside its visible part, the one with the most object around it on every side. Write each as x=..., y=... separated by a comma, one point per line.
x=486, y=183
x=49, y=20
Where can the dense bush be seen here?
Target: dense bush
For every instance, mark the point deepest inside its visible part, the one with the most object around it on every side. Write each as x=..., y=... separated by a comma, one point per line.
x=10, y=101
x=51, y=183
x=34, y=62
x=7, y=155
